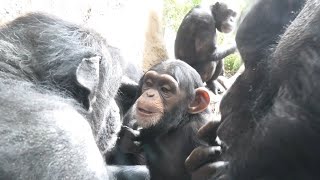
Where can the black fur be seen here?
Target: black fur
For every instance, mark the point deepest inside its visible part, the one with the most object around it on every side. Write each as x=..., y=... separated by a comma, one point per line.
x=166, y=145
x=269, y=116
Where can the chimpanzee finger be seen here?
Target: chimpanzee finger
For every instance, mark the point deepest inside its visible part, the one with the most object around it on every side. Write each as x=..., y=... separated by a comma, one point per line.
x=202, y=155
x=208, y=132
x=211, y=170
x=129, y=132
x=131, y=147
x=127, y=143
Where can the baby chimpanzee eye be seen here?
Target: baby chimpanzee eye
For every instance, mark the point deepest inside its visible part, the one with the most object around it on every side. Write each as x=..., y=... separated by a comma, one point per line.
x=165, y=90
x=148, y=83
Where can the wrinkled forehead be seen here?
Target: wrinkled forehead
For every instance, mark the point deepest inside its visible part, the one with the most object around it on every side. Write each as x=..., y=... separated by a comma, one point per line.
x=186, y=76
x=151, y=74
x=171, y=68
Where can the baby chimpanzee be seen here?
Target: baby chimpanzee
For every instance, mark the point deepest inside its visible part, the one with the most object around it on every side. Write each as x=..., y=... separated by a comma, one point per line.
x=171, y=106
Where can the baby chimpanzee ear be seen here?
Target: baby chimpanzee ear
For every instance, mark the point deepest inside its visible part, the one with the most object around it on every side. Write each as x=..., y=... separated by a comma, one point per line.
x=200, y=101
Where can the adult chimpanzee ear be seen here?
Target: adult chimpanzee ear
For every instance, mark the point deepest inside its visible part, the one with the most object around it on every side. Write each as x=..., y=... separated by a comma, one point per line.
x=87, y=73
x=200, y=102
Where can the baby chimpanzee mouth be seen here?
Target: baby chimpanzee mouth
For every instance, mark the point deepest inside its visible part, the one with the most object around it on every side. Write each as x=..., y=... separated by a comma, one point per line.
x=144, y=111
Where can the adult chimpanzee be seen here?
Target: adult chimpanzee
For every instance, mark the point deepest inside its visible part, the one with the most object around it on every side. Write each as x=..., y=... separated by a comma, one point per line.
x=171, y=107
x=196, y=40
x=57, y=86
x=260, y=30
x=270, y=115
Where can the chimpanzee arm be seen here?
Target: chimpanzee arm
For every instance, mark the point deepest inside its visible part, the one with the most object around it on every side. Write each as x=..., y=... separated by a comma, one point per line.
x=203, y=162
x=206, y=48
x=219, y=69
x=127, y=141
x=212, y=84
x=222, y=52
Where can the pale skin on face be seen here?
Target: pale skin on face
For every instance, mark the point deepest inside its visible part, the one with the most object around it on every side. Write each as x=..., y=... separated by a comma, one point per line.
x=160, y=94
x=156, y=87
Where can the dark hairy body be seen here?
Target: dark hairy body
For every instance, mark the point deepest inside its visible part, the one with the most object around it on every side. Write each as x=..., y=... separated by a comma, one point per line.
x=260, y=30
x=165, y=155
x=269, y=116
x=171, y=107
x=284, y=108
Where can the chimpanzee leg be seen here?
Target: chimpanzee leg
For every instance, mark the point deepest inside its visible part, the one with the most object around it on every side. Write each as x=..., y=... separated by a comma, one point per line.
x=213, y=84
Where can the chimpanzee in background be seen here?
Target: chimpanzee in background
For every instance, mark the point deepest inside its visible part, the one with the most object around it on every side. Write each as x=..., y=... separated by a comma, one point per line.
x=196, y=40
x=270, y=115
x=171, y=107
x=57, y=86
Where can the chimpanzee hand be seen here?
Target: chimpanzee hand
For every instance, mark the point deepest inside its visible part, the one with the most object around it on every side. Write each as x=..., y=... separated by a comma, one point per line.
x=127, y=140
x=202, y=162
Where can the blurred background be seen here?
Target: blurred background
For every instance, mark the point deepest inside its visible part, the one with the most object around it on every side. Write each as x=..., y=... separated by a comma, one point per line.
x=132, y=26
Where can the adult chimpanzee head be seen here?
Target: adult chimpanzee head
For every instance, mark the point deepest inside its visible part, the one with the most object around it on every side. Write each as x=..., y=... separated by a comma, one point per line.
x=270, y=116
x=57, y=85
x=68, y=59
x=169, y=91
x=224, y=17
